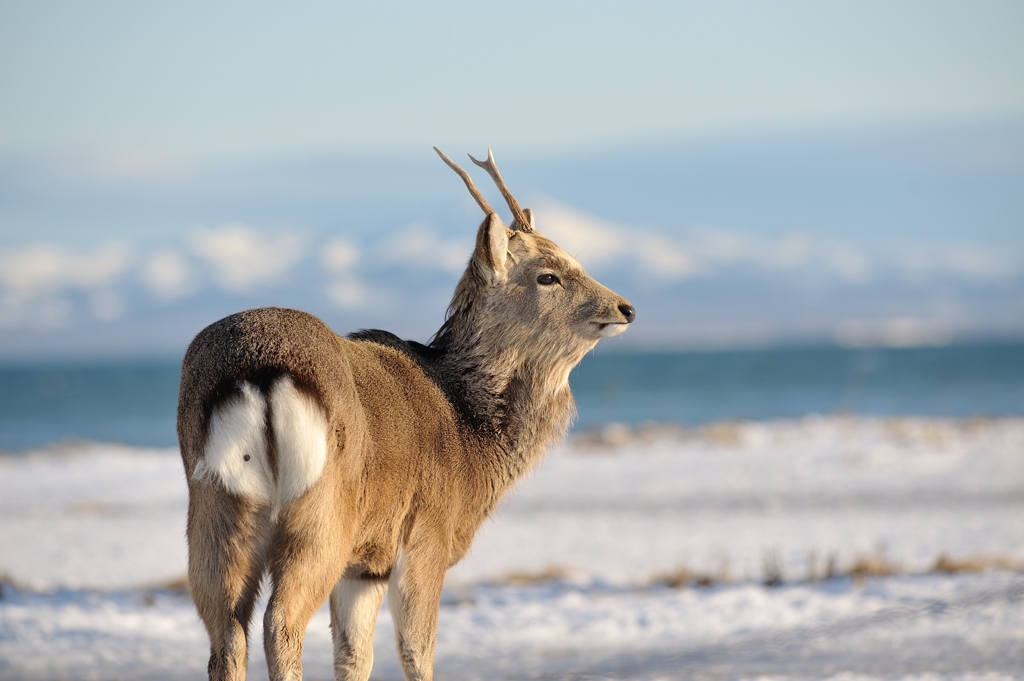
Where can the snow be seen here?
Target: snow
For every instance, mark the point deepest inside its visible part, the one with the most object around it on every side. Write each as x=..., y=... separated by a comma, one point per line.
x=570, y=579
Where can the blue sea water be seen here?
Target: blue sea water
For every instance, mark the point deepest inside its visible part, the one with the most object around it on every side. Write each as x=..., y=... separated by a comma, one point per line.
x=134, y=401
x=700, y=387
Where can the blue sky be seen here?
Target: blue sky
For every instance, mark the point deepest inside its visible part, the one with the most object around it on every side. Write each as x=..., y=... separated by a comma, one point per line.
x=233, y=79
x=745, y=172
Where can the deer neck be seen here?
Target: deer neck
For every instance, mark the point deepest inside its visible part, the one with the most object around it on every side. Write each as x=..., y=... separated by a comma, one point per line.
x=520, y=402
x=539, y=411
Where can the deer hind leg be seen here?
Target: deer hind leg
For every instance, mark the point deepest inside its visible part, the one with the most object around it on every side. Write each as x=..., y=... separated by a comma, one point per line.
x=355, y=604
x=224, y=578
x=312, y=535
x=228, y=531
x=416, y=581
x=307, y=556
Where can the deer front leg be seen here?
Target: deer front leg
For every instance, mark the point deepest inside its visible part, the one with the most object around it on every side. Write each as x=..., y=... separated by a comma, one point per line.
x=355, y=603
x=416, y=581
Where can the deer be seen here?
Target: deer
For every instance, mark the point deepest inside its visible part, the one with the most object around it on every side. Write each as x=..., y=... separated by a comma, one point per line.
x=350, y=468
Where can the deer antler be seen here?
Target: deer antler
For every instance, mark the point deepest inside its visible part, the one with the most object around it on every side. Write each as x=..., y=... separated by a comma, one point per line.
x=520, y=221
x=480, y=200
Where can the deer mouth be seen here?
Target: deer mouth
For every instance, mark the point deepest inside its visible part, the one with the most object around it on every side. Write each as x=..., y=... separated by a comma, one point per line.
x=606, y=329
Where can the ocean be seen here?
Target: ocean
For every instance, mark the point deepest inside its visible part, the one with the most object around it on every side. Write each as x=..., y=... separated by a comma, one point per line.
x=133, y=401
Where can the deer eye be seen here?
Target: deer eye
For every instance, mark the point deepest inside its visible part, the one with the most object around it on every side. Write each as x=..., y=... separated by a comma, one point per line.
x=547, y=279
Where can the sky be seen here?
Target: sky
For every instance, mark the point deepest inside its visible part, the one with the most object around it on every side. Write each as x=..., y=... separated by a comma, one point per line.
x=232, y=79
x=744, y=172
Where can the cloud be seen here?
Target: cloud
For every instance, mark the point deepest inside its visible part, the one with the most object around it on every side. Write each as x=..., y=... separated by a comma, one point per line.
x=348, y=293
x=42, y=268
x=584, y=236
x=920, y=262
x=339, y=255
x=338, y=258
x=895, y=332
x=106, y=304
x=419, y=246
x=597, y=243
x=850, y=263
x=789, y=252
x=722, y=246
x=663, y=258
x=167, y=275
x=705, y=251
x=243, y=258
x=35, y=280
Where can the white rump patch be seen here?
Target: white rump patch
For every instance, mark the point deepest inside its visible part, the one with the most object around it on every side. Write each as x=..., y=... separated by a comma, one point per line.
x=300, y=432
x=236, y=449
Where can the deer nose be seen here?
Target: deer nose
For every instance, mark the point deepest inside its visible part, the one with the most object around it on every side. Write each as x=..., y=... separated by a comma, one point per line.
x=628, y=312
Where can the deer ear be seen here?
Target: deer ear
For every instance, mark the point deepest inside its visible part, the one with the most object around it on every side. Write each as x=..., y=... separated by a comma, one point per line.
x=491, y=252
x=528, y=227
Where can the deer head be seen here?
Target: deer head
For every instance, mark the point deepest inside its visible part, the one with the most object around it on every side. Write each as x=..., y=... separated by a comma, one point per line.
x=523, y=293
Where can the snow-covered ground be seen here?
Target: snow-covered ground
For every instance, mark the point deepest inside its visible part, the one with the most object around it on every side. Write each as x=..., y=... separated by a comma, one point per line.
x=591, y=569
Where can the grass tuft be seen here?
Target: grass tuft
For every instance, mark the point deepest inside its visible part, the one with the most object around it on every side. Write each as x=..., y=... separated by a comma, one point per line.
x=951, y=566
x=872, y=565
x=551, y=573
x=771, y=569
x=684, y=577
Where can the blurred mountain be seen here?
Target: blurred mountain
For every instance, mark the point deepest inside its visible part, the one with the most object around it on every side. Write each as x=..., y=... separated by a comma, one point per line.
x=894, y=236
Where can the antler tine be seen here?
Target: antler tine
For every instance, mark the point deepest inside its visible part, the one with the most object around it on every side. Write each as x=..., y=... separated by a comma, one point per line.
x=480, y=200
x=520, y=220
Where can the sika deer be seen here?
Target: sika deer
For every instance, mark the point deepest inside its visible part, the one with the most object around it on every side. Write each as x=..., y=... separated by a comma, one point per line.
x=347, y=466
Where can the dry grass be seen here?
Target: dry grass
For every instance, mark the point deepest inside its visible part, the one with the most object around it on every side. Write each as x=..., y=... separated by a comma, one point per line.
x=830, y=571
x=877, y=564
x=723, y=432
x=611, y=435
x=176, y=585
x=872, y=565
x=950, y=566
x=8, y=585
x=771, y=569
x=684, y=577
x=549, y=574
x=862, y=567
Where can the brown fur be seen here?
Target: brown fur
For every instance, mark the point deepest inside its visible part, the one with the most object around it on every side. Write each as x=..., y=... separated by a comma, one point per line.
x=422, y=442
